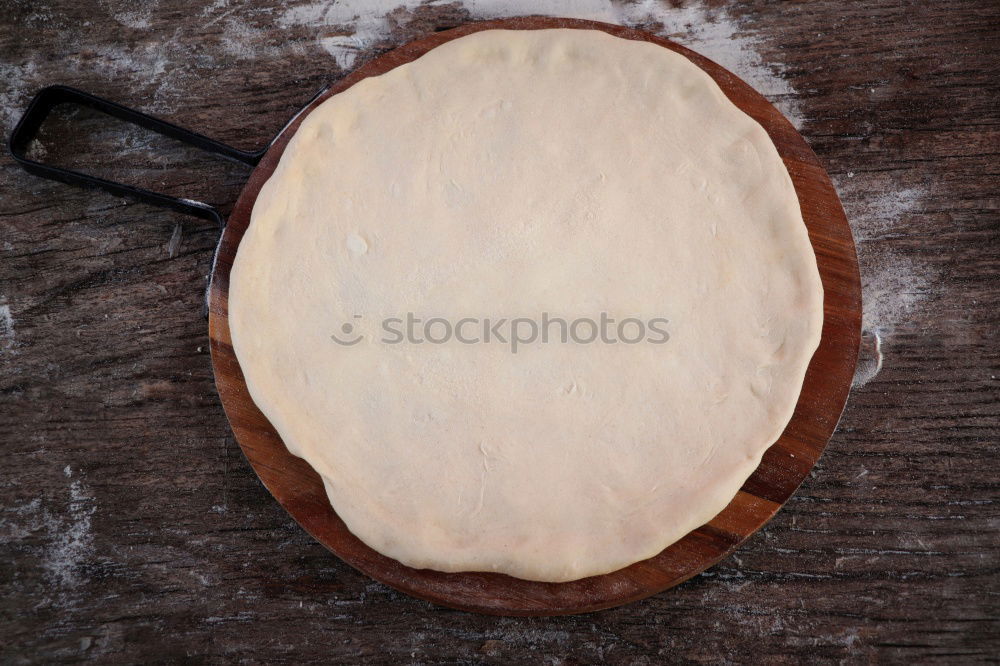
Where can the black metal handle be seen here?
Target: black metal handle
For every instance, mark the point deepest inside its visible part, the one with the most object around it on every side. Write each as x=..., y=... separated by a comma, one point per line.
x=48, y=98
x=52, y=96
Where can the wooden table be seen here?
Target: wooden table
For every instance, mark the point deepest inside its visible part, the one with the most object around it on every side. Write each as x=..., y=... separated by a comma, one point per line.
x=131, y=527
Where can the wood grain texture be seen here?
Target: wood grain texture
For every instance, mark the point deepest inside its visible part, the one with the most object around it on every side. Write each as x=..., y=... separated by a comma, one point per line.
x=300, y=490
x=133, y=530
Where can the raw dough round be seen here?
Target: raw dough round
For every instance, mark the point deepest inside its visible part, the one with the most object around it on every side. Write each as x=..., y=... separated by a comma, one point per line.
x=508, y=174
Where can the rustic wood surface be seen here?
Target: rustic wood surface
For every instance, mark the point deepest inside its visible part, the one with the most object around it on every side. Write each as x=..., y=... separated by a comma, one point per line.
x=132, y=529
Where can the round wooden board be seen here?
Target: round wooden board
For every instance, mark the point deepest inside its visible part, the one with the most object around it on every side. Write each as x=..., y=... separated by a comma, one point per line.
x=828, y=380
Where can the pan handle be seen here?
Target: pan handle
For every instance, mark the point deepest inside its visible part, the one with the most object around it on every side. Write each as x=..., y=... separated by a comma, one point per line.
x=52, y=96
x=48, y=98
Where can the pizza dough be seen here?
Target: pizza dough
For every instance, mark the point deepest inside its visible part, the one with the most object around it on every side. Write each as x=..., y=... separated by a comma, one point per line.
x=508, y=174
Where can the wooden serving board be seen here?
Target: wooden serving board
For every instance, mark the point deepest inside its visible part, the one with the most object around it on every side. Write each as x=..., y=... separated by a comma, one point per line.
x=828, y=380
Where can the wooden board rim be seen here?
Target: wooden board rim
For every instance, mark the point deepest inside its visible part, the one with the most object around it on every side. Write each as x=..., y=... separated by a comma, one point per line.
x=783, y=467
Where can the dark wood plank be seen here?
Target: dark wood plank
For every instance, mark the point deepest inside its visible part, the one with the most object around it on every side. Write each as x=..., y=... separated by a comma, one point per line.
x=161, y=543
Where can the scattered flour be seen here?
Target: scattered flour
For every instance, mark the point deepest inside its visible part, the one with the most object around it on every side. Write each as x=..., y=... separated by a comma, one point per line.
x=7, y=335
x=876, y=217
x=363, y=24
x=214, y=6
x=249, y=34
x=70, y=548
x=892, y=288
x=161, y=68
x=65, y=532
x=869, y=360
x=17, y=85
x=893, y=285
x=138, y=16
